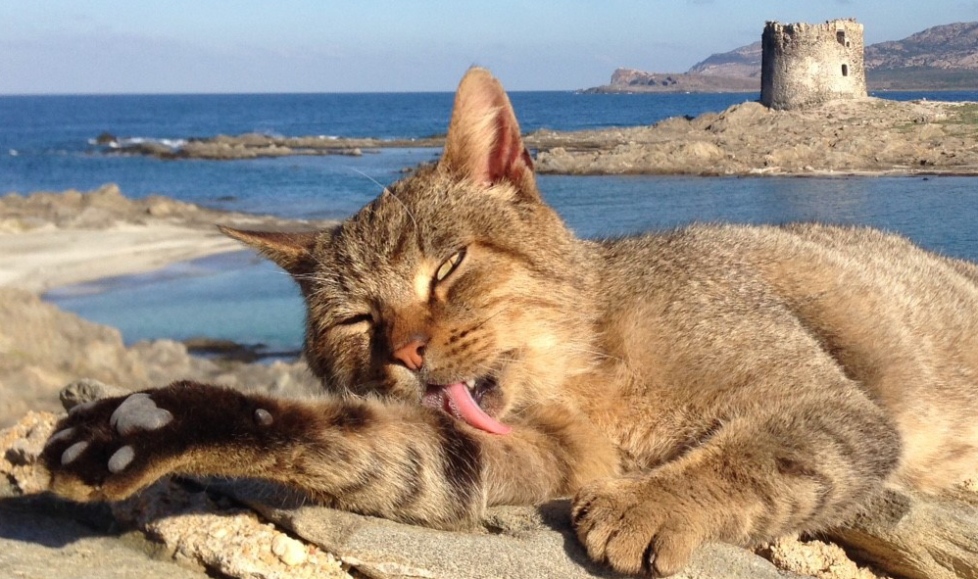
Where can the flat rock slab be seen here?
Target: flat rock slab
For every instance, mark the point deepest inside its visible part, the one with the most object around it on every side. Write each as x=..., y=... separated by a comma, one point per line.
x=516, y=542
x=37, y=546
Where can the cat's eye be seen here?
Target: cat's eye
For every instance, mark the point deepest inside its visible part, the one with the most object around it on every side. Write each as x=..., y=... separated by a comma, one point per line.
x=449, y=265
x=356, y=319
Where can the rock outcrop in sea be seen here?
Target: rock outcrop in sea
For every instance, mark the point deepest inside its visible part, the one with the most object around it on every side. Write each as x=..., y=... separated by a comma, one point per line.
x=859, y=136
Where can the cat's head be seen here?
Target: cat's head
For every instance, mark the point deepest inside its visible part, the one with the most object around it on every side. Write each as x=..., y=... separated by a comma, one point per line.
x=457, y=288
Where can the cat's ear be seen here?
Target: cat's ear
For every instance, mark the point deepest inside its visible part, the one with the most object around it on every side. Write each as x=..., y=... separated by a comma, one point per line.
x=291, y=251
x=484, y=143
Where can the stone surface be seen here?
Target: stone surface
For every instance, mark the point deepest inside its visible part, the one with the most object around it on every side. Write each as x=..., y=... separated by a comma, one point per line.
x=87, y=390
x=811, y=557
x=516, y=542
x=918, y=537
x=38, y=546
x=198, y=529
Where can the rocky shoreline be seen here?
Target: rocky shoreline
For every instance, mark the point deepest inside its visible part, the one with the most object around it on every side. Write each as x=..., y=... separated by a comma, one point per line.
x=186, y=528
x=863, y=136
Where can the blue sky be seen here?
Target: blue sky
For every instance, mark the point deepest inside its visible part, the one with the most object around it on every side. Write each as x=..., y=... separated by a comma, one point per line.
x=175, y=46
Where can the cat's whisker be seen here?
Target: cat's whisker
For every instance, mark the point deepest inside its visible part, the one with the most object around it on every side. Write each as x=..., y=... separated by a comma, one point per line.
x=388, y=192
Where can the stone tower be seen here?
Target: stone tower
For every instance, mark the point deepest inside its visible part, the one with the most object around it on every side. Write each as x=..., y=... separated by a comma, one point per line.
x=807, y=64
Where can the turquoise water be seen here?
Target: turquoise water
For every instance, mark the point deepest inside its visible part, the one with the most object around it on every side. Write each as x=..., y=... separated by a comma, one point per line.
x=45, y=144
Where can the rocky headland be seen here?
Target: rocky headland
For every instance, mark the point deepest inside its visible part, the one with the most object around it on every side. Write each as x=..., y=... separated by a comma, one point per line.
x=861, y=136
x=189, y=528
x=630, y=80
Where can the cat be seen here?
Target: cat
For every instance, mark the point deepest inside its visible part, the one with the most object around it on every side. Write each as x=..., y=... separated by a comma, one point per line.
x=712, y=383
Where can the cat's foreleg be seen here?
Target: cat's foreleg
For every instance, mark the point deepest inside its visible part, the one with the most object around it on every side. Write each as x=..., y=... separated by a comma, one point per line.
x=400, y=461
x=751, y=479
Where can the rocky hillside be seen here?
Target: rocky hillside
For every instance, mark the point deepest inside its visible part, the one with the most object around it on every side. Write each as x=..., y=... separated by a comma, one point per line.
x=742, y=62
x=631, y=80
x=945, y=47
x=939, y=57
x=942, y=57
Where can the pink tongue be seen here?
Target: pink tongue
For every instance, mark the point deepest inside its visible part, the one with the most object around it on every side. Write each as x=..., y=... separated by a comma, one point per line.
x=468, y=410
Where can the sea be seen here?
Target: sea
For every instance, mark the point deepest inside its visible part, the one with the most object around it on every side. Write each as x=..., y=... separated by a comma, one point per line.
x=48, y=143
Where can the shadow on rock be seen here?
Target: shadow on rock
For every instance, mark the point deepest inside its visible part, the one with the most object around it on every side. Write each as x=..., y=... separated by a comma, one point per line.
x=52, y=522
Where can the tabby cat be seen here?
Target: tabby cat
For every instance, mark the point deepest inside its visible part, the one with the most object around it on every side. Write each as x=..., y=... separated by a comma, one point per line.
x=712, y=383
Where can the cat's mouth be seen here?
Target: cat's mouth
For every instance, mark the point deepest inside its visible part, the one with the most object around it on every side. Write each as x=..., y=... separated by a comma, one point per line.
x=464, y=401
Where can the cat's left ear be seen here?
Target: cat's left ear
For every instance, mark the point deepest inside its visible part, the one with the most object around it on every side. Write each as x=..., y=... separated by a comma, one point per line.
x=291, y=251
x=484, y=143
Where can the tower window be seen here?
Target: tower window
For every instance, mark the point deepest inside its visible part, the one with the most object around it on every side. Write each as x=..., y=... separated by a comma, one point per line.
x=845, y=70
x=840, y=36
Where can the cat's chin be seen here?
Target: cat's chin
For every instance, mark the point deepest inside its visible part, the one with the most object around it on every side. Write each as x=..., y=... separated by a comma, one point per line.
x=464, y=401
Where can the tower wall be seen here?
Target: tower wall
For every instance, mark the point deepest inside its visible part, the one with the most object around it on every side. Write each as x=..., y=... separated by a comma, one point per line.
x=807, y=64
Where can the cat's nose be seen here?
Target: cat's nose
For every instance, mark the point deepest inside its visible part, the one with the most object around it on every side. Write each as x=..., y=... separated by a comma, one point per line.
x=411, y=354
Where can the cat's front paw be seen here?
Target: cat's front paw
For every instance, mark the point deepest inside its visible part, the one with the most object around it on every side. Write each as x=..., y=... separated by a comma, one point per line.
x=108, y=449
x=639, y=525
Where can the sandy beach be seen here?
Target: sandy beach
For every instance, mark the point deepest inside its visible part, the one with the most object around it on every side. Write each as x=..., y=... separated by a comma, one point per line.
x=41, y=260
x=49, y=240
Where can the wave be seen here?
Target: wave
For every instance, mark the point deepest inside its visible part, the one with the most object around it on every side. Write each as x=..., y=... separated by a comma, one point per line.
x=124, y=142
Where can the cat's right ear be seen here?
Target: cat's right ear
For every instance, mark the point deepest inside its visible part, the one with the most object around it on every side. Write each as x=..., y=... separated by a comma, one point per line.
x=483, y=144
x=291, y=251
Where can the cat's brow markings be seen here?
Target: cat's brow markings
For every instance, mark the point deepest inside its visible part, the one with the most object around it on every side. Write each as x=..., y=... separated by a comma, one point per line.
x=422, y=281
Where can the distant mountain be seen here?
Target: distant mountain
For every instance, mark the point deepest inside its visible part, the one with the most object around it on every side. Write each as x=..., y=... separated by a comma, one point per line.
x=952, y=46
x=942, y=57
x=742, y=62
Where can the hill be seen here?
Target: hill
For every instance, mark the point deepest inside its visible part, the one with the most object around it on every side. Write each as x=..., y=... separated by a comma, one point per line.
x=631, y=80
x=942, y=57
x=744, y=62
x=937, y=58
